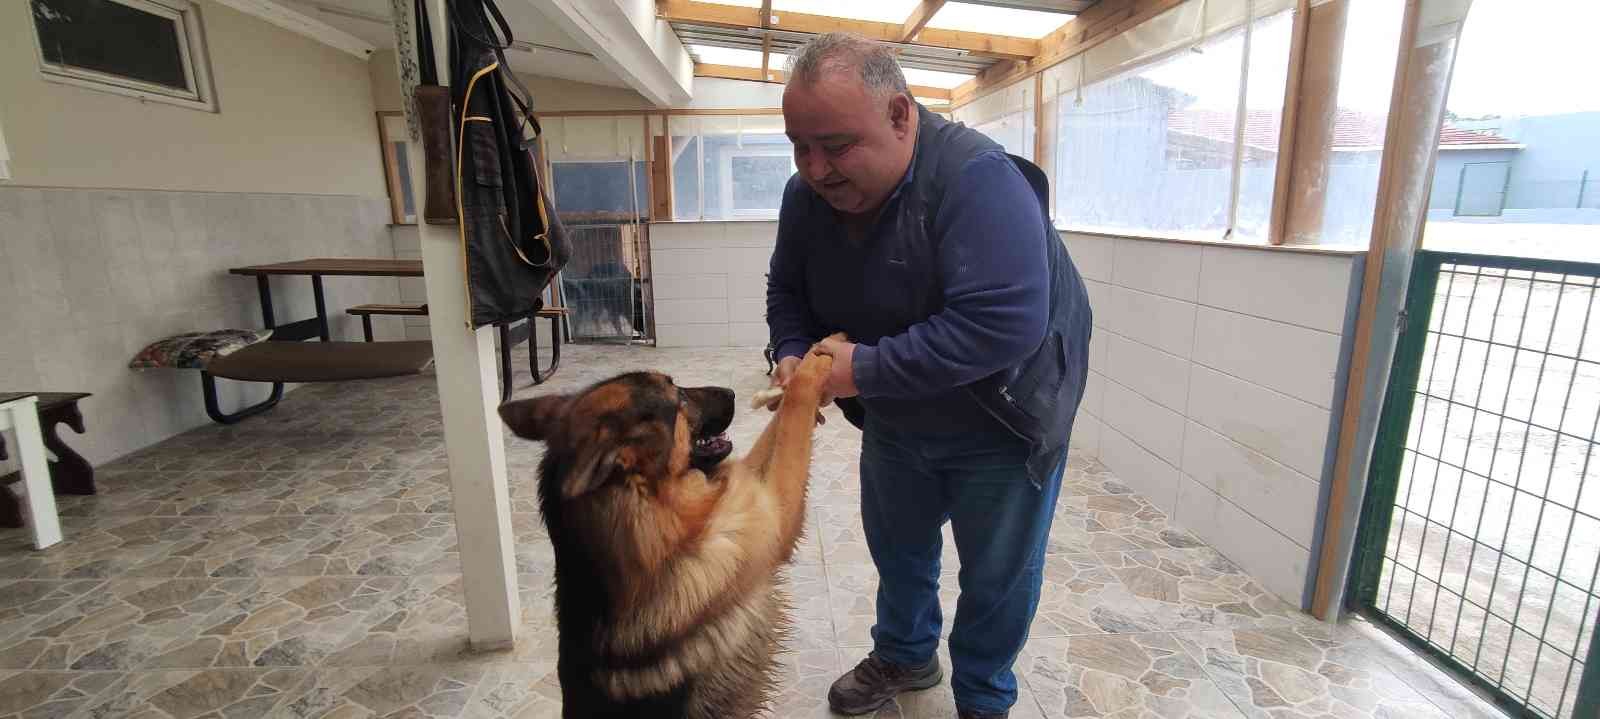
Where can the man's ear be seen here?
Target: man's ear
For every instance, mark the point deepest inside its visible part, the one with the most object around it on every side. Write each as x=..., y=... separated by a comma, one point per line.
x=535, y=418
x=901, y=109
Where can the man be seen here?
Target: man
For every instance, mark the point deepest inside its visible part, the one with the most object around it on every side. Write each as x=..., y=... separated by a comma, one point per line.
x=968, y=326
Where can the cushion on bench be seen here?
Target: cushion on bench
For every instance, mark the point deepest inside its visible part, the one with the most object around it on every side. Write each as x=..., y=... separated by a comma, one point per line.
x=194, y=350
x=323, y=361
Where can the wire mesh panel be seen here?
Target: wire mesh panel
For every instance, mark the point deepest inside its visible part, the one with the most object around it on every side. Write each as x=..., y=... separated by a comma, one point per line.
x=1481, y=532
x=602, y=284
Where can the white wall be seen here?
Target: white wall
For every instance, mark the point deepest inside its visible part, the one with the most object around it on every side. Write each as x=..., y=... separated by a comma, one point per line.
x=710, y=282
x=1212, y=388
x=294, y=116
x=288, y=168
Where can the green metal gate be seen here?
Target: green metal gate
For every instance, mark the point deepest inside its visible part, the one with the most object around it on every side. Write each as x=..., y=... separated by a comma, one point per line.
x=1480, y=532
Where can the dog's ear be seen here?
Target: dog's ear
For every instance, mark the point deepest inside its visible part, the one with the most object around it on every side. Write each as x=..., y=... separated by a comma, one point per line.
x=535, y=418
x=592, y=470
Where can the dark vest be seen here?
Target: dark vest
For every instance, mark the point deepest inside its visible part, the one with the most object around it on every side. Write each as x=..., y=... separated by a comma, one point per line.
x=1037, y=399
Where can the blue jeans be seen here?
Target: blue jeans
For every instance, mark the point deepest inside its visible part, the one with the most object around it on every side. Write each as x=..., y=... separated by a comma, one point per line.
x=910, y=485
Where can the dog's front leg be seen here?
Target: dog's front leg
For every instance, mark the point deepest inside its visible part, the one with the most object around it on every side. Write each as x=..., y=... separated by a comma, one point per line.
x=788, y=469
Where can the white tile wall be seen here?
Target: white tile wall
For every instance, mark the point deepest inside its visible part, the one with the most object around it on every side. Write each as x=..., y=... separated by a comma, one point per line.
x=1092, y=254
x=1291, y=287
x=89, y=277
x=1149, y=425
x=691, y=287
x=710, y=282
x=1147, y=474
x=1277, y=425
x=1212, y=371
x=1165, y=269
x=1272, y=492
x=1291, y=359
x=1161, y=322
x=1161, y=377
x=1273, y=559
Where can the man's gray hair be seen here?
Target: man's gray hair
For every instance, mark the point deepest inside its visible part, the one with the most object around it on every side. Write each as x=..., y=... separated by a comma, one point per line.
x=842, y=51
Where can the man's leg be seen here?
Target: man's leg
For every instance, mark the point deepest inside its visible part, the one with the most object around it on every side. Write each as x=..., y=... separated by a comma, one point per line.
x=902, y=508
x=1001, y=524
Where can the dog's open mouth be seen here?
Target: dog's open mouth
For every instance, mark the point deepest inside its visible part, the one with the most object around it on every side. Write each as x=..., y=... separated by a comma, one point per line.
x=710, y=450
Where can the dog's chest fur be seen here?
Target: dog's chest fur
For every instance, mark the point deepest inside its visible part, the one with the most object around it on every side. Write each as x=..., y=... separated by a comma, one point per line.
x=723, y=668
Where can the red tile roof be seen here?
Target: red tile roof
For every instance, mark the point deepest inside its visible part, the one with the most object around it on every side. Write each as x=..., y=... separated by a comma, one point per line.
x=1350, y=129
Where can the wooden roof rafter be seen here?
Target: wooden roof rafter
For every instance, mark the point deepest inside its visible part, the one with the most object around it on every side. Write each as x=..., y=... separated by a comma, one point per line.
x=735, y=72
x=1096, y=24
x=1003, y=47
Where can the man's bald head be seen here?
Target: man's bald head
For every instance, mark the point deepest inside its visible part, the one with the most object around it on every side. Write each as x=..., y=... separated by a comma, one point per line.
x=852, y=123
x=842, y=53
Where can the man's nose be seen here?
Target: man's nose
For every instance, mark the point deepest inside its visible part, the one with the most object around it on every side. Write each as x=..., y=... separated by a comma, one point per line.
x=815, y=167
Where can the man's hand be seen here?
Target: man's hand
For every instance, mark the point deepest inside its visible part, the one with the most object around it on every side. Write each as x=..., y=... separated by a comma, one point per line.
x=781, y=377
x=841, y=379
x=785, y=372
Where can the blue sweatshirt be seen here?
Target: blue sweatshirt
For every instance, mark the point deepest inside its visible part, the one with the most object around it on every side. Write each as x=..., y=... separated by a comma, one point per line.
x=988, y=253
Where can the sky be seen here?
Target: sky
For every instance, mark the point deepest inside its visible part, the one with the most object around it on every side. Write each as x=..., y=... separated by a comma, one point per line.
x=1528, y=57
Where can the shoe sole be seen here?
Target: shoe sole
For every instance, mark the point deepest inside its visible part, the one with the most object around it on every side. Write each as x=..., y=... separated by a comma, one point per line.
x=929, y=684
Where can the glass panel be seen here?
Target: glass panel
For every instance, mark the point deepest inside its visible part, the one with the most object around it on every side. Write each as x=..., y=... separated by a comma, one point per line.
x=1366, y=79
x=747, y=160
x=1153, y=149
x=934, y=78
x=1014, y=132
x=895, y=11
x=989, y=20
x=598, y=191
x=685, y=168
x=1269, y=78
x=112, y=38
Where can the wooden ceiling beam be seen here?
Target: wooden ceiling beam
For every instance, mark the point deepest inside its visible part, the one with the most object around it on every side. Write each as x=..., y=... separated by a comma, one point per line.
x=920, y=15
x=735, y=72
x=1092, y=27
x=1003, y=47
x=766, y=55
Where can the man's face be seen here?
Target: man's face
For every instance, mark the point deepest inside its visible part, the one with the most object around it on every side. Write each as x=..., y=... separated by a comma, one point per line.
x=851, y=147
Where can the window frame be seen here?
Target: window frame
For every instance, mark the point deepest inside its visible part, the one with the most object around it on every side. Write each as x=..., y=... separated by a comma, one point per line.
x=1229, y=235
x=185, y=15
x=725, y=188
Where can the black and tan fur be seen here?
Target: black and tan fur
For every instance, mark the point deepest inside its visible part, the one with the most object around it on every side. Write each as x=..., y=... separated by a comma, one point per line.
x=667, y=595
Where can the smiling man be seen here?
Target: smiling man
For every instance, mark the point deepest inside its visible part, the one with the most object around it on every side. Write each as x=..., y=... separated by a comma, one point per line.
x=930, y=248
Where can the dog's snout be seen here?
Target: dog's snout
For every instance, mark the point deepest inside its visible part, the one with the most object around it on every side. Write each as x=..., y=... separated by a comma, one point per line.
x=715, y=405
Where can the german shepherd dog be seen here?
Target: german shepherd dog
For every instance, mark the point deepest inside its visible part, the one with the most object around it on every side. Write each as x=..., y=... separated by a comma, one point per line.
x=667, y=595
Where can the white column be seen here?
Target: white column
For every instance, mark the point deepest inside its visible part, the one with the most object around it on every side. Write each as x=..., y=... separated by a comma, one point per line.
x=469, y=394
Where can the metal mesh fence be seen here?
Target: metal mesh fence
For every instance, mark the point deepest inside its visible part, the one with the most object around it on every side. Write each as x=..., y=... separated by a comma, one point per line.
x=1485, y=547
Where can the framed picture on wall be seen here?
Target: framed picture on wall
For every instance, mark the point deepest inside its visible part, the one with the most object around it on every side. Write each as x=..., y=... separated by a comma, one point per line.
x=397, y=148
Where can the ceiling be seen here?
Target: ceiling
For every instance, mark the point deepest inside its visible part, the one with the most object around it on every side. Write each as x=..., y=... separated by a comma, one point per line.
x=541, y=47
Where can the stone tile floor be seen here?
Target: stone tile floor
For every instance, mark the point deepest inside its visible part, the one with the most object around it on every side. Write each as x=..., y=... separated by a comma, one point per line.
x=304, y=564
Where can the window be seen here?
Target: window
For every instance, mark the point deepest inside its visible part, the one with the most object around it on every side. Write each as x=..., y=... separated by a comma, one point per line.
x=1014, y=132
x=729, y=166
x=1172, y=128
x=145, y=48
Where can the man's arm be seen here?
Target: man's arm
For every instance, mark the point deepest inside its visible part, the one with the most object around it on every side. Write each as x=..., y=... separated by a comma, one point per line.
x=994, y=267
x=790, y=325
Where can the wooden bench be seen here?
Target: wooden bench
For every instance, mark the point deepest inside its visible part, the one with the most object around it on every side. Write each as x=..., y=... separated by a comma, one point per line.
x=509, y=337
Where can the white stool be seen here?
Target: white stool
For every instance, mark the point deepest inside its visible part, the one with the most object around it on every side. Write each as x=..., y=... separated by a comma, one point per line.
x=21, y=415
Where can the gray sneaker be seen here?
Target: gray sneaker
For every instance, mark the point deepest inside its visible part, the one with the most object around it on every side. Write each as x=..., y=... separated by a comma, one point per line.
x=876, y=682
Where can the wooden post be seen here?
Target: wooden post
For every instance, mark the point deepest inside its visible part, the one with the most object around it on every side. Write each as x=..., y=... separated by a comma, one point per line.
x=661, y=175
x=464, y=364
x=1422, y=83
x=1304, y=188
